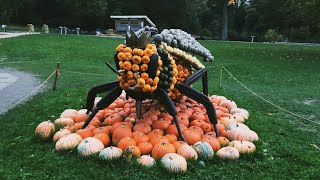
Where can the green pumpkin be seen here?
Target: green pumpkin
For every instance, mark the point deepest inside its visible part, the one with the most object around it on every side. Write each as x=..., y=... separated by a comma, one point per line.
x=204, y=150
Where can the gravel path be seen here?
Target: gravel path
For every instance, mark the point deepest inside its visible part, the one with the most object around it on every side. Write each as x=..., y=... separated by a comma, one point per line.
x=15, y=85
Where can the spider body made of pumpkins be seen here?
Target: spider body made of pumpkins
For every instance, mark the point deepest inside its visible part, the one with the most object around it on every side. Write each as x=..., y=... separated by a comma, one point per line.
x=145, y=70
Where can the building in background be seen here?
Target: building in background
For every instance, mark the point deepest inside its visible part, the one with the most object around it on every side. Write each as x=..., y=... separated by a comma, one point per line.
x=131, y=23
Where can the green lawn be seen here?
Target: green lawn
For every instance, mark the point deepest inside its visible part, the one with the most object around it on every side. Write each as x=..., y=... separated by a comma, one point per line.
x=286, y=75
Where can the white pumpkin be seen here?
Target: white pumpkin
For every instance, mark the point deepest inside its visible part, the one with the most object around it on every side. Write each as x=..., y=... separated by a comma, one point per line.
x=89, y=146
x=110, y=153
x=68, y=142
x=174, y=163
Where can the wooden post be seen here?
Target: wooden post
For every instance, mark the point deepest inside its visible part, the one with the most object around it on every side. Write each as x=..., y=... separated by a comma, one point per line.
x=57, y=76
x=220, y=78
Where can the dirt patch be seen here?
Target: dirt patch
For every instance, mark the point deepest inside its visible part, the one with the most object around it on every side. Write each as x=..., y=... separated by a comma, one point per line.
x=14, y=86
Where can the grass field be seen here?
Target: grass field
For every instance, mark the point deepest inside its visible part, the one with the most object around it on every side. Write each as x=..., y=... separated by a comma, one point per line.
x=286, y=75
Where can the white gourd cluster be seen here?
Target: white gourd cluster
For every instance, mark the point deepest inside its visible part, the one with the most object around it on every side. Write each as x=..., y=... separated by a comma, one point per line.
x=184, y=41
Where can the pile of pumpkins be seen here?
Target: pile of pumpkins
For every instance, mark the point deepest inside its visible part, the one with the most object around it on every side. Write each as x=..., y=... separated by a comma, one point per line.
x=115, y=132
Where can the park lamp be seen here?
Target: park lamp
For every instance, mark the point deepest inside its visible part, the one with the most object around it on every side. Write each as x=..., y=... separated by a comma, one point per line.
x=4, y=26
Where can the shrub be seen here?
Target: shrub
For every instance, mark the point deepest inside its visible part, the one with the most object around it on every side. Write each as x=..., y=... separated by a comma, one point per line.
x=271, y=35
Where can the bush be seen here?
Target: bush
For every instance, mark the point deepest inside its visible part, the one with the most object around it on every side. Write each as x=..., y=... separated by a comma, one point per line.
x=271, y=35
x=301, y=34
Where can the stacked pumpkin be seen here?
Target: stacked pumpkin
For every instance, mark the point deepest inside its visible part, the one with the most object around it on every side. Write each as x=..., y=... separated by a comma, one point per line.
x=116, y=132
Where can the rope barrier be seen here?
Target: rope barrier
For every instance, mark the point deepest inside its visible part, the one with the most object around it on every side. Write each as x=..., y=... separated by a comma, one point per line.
x=254, y=93
x=18, y=102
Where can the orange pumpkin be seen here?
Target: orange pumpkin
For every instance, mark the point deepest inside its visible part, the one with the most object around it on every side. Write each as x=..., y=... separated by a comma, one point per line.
x=104, y=129
x=155, y=133
x=80, y=117
x=172, y=129
x=84, y=133
x=162, y=149
x=145, y=147
x=205, y=127
x=158, y=139
x=145, y=128
x=223, y=141
x=112, y=119
x=171, y=137
x=120, y=133
x=140, y=137
x=119, y=124
x=178, y=144
x=162, y=124
x=197, y=129
x=125, y=142
x=196, y=123
x=214, y=143
x=191, y=136
x=104, y=138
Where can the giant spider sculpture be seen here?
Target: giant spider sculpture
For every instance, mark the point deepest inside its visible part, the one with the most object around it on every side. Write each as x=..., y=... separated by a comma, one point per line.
x=156, y=71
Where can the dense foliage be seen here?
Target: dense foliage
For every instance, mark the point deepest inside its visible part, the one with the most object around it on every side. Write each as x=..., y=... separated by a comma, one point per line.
x=292, y=19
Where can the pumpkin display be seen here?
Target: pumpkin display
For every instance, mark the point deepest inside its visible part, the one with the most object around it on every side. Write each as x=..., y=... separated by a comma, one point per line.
x=139, y=115
x=60, y=134
x=242, y=134
x=228, y=153
x=110, y=153
x=68, y=142
x=204, y=150
x=174, y=163
x=187, y=152
x=243, y=146
x=45, y=130
x=146, y=161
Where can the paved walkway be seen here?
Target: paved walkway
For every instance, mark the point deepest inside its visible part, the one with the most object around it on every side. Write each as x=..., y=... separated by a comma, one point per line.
x=10, y=35
x=15, y=85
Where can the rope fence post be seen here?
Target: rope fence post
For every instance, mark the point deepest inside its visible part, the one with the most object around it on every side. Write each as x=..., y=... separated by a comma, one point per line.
x=57, y=76
x=220, y=78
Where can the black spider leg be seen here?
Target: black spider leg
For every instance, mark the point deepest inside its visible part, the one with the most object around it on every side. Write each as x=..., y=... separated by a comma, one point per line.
x=201, y=98
x=171, y=109
x=103, y=103
x=195, y=76
x=96, y=90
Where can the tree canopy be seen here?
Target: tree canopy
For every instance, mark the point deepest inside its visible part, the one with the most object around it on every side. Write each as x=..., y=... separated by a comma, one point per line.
x=295, y=20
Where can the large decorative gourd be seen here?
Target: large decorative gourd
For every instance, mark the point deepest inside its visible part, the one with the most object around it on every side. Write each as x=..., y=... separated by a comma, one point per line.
x=45, y=130
x=110, y=153
x=242, y=134
x=89, y=146
x=228, y=153
x=174, y=163
x=68, y=142
x=243, y=146
x=204, y=150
